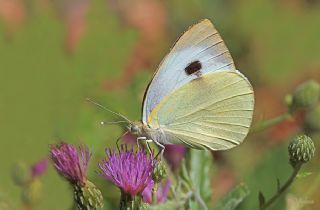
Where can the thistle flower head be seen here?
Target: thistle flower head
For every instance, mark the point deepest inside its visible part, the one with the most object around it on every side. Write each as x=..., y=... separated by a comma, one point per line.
x=129, y=170
x=301, y=150
x=71, y=162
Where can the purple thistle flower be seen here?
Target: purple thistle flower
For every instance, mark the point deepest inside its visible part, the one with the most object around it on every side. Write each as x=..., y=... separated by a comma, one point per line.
x=129, y=170
x=162, y=192
x=39, y=167
x=70, y=162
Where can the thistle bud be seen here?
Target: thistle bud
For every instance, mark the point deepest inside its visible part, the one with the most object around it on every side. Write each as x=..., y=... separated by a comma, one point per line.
x=301, y=150
x=159, y=172
x=88, y=197
x=306, y=95
x=20, y=173
x=31, y=194
x=312, y=120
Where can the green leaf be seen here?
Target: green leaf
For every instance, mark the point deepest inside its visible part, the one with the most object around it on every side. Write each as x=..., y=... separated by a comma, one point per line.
x=262, y=199
x=200, y=165
x=198, y=178
x=184, y=174
x=278, y=184
x=167, y=205
x=234, y=198
x=304, y=174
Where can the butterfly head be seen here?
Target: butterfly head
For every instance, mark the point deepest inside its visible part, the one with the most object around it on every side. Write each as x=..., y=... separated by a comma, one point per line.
x=135, y=128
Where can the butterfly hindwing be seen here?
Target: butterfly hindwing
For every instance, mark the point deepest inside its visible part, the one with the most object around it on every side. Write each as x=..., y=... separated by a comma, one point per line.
x=212, y=112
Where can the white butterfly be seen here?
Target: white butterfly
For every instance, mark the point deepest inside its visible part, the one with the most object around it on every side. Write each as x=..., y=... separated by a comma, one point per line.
x=197, y=97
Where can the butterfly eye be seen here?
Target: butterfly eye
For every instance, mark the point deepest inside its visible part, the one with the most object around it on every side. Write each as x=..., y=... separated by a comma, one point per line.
x=133, y=129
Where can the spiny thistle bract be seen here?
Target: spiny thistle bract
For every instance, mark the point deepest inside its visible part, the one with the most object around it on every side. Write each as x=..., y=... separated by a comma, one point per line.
x=159, y=172
x=88, y=197
x=301, y=150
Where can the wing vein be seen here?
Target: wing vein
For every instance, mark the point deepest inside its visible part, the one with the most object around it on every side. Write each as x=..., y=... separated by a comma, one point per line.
x=210, y=136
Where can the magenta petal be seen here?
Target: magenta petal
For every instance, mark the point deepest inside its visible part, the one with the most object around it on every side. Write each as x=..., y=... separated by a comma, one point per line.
x=70, y=162
x=129, y=170
x=39, y=168
x=162, y=192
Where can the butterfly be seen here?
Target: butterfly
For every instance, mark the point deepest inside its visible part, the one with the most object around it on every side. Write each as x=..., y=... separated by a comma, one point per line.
x=196, y=97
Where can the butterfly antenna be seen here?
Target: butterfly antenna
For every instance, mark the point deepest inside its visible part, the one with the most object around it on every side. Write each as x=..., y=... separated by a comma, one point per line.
x=106, y=109
x=108, y=123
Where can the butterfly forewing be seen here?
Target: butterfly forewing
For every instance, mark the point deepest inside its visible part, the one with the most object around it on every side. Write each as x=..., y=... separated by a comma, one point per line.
x=199, y=51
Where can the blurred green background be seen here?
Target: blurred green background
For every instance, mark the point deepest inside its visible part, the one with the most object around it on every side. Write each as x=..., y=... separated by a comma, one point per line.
x=56, y=53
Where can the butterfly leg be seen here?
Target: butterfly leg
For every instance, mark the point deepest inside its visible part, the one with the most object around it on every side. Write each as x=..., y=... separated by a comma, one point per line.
x=118, y=139
x=162, y=149
x=139, y=139
x=148, y=146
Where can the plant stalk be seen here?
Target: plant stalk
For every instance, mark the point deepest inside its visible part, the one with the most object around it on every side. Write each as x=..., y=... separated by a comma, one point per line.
x=265, y=124
x=129, y=202
x=282, y=189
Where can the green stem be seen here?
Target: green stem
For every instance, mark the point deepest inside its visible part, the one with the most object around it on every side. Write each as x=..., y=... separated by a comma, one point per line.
x=270, y=122
x=200, y=201
x=154, y=193
x=128, y=202
x=282, y=189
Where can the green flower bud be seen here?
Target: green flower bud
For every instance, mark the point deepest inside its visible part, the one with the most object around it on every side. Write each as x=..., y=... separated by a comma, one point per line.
x=144, y=206
x=306, y=95
x=21, y=173
x=288, y=100
x=312, y=120
x=159, y=172
x=31, y=193
x=301, y=150
x=88, y=197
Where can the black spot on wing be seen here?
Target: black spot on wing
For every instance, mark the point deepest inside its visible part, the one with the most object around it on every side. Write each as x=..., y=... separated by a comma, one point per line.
x=193, y=67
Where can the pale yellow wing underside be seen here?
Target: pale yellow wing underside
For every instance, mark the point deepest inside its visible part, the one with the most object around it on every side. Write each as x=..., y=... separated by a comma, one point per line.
x=213, y=112
x=201, y=42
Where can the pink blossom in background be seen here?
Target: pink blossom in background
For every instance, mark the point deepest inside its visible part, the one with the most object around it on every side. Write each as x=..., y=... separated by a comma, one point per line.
x=13, y=13
x=39, y=168
x=149, y=18
x=128, y=138
x=162, y=192
x=73, y=13
x=174, y=154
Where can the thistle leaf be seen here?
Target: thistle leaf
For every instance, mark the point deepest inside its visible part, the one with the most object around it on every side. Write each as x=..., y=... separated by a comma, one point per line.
x=278, y=184
x=262, y=199
x=234, y=198
x=304, y=174
x=200, y=165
